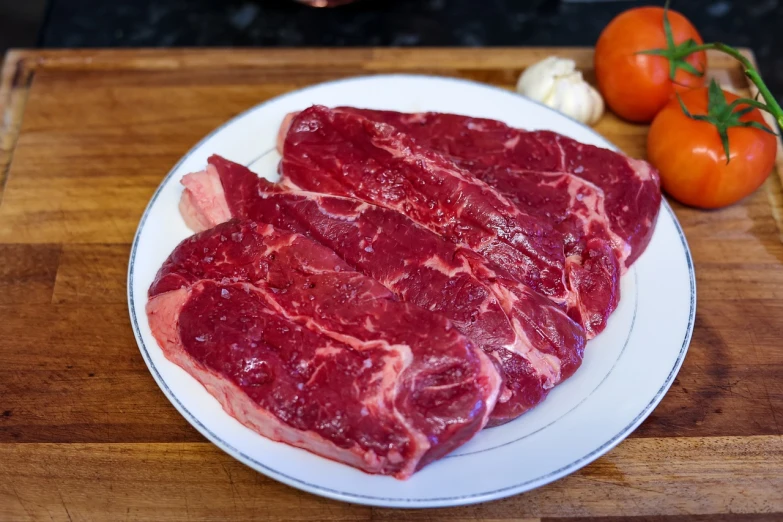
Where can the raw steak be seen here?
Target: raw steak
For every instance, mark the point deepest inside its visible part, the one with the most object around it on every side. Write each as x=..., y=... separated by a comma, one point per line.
x=497, y=153
x=342, y=153
x=535, y=343
x=302, y=349
x=574, y=206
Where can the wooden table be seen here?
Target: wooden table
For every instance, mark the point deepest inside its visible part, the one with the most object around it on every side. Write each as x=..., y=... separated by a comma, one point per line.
x=85, y=433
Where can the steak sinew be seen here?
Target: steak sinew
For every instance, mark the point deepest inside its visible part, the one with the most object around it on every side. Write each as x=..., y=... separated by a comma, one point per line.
x=602, y=204
x=345, y=154
x=496, y=153
x=536, y=344
x=302, y=349
x=576, y=208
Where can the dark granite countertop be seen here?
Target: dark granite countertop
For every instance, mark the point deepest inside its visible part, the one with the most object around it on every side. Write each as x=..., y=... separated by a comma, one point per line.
x=143, y=23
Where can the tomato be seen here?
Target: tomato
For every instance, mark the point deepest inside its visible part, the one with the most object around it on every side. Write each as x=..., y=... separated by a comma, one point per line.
x=691, y=158
x=637, y=86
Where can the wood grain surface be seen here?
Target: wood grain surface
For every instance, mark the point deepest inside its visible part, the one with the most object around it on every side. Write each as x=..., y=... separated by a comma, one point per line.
x=85, y=433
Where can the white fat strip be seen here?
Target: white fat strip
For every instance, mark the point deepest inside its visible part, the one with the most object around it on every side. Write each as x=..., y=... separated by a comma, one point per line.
x=368, y=325
x=544, y=364
x=429, y=164
x=594, y=200
x=327, y=351
x=436, y=263
x=383, y=380
x=357, y=344
x=312, y=324
x=554, y=177
x=572, y=301
x=505, y=393
x=367, y=242
x=387, y=383
x=510, y=143
x=484, y=243
x=386, y=134
x=486, y=303
x=323, y=352
x=562, y=152
x=315, y=373
x=408, y=156
x=286, y=182
x=388, y=375
x=390, y=283
x=505, y=297
x=594, y=210
x=293, y=189
x=474, y=125
x=163, y=311
x=417, y=117
x=641, y=169
x=267, y=231
x=494, y=383
x=460, y=207
x=349, y=216
x=500, y=203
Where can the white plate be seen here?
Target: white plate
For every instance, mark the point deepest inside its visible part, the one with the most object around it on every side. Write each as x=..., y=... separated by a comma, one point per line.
x=625, y=373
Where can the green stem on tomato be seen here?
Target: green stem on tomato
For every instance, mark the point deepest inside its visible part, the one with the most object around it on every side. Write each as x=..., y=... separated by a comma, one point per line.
x=772, y=105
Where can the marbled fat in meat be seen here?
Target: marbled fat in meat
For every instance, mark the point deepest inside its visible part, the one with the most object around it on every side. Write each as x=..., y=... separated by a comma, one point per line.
x=303, y=349
x=535, y=343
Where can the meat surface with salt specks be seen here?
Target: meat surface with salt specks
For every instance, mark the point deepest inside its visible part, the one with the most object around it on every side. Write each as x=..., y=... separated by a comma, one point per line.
x=575, y=207
x=345, y=154
x=536, y=345
x=302, y=349
x=489, y=148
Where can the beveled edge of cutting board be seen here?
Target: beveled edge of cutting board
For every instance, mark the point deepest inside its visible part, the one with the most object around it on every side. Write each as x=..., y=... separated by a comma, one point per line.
x=15, y=79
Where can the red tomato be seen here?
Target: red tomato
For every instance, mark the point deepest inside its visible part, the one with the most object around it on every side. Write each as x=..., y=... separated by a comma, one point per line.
x=691, y=159
x=637, y=86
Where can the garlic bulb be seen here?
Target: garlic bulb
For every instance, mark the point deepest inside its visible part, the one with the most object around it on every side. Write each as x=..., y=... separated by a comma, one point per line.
x=556, y=83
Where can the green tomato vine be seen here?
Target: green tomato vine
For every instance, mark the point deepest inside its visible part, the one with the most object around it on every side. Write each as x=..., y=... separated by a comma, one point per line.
x=720, y=113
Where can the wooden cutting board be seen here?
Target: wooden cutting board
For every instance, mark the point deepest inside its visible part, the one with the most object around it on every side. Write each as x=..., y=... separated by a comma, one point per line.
x=85, y=433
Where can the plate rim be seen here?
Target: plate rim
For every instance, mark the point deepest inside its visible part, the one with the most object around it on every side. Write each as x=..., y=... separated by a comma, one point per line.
x=397, y=502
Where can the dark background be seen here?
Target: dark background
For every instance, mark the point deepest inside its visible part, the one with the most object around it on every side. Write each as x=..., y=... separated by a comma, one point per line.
x=149, y=23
